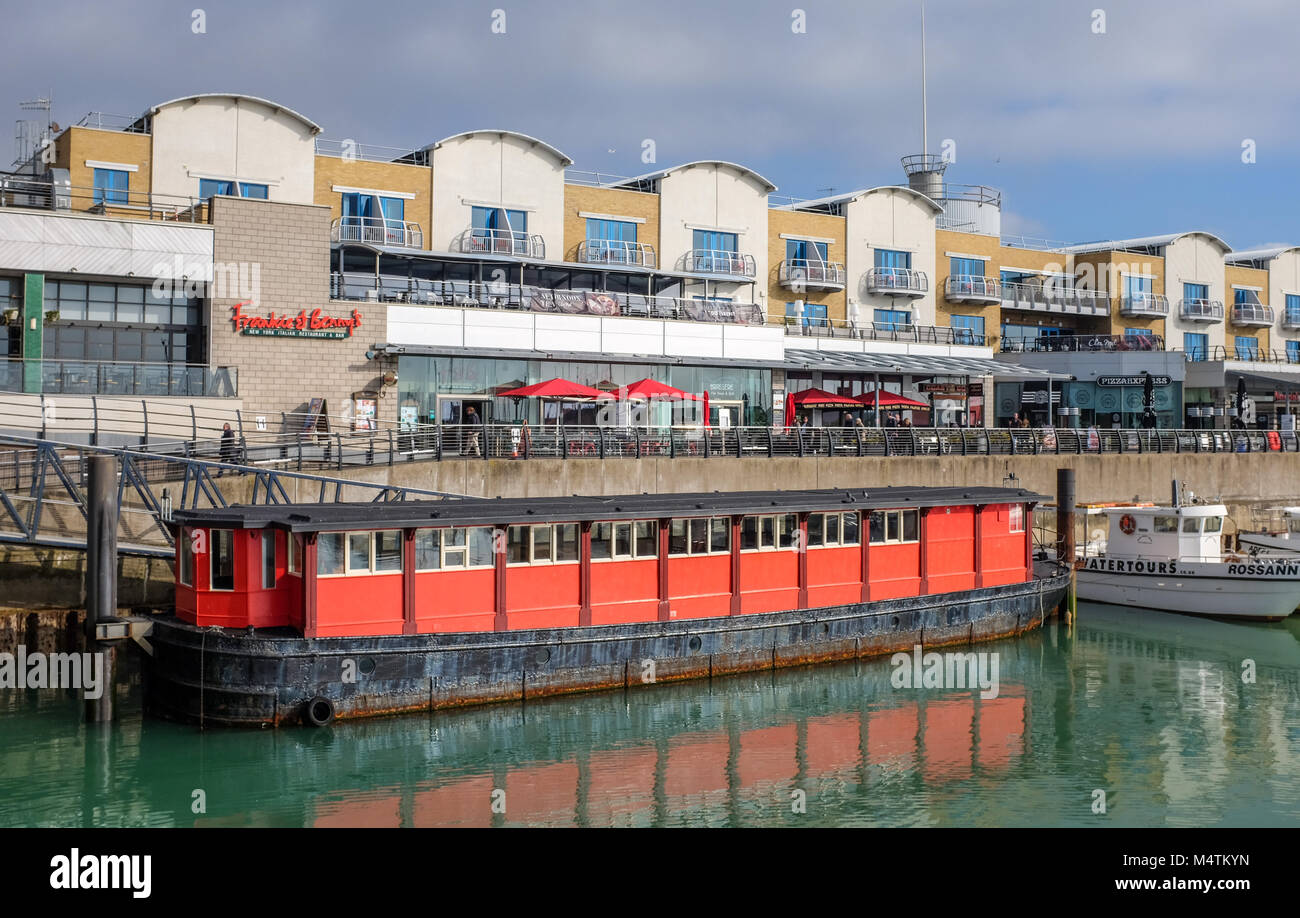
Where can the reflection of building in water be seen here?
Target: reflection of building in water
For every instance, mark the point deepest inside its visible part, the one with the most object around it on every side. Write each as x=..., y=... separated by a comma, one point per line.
x=713, y=777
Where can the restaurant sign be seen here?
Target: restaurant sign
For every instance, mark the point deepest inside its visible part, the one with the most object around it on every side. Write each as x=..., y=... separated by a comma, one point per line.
x=305, y=324
x=1113, y=381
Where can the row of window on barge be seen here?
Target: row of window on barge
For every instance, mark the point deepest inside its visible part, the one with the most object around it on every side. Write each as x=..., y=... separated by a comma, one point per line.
x=480, y=565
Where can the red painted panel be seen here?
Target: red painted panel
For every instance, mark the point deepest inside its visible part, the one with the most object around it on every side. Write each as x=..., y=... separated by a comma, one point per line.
x=542, y=596
x=700, y=586
x=769, y=581
x=621, y=786
x=364, y=811
x=1001, y=730
x=767, y=756
x=542, y=795
x=949, y=739
x=834, y=576
x=891, y=734
x=832, y=744
x=624, y=591
x=895, y=570
x=1004, y=550
x=950, y=552
x=467, y=802
x=450, y=601
x=361, y=604
x=697, y=766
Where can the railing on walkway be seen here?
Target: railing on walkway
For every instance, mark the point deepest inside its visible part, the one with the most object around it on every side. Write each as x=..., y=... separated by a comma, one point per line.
x=377, y=231
x=96, y=377
x=1083, y=343
x=29, y=191
x=1244, y=352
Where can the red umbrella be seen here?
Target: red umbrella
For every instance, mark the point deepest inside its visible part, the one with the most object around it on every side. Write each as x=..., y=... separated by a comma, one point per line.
x=888, y=400
x=553, y=388
x=649, y=389
x=820, y=398
x=706, y=407
x=789, y=410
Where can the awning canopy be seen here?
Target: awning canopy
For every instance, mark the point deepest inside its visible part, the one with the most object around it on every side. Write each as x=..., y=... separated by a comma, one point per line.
x=820, y=398
x=553, y=388
x=1279, y=381
x=912, y=364
x=889, y=399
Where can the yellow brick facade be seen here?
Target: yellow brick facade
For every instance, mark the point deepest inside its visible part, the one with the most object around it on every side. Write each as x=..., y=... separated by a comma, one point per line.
x=400, y=177
x=76, y=145
x=798, y=225
x=1238, y=275
x=617, y=203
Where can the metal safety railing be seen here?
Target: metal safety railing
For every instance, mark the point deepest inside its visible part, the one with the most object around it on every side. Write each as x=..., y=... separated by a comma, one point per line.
x=616, y=252
x=718, y=261
x=477, y=241
x=799, y=272
x=103, y=377
x=377, y=231
x=904, y=281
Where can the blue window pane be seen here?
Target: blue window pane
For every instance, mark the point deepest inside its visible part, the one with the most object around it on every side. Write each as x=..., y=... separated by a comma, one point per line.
x=251, y=190
x=1246, y=348
x=1242, y=297
x=209, y=187
x=1196, y=292
x=394, y=209
x=714, y=242
x=966, y=267
x=1196, y=346
x=804, y=252
x=888, y=258
x=111, y=186
x=968, y=329
x=611, y=230
x=892, y=319
x=1293, y=352
x=1136, y=286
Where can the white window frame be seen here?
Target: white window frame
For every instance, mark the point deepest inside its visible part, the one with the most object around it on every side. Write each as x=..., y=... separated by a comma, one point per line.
x=1016, y=518
x=293, y=554
x=901, y=528
x=186, y=551
x=708, y=537
x=633, y=554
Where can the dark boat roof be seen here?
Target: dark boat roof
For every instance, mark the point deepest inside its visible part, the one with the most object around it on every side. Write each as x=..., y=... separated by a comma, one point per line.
x=483, y=511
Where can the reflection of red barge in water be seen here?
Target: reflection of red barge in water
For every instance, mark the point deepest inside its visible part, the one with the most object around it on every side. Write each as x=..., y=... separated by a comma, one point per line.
x=372, y=608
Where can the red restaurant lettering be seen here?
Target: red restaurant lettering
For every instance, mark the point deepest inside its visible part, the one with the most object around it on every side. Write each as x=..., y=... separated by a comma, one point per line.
x=302, y=322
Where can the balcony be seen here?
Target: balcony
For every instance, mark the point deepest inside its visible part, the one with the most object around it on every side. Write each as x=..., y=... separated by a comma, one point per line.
x=804, y=274
x=816, y=327
x=480, y=241
x=1057, y=299
x=1085, y=344
x=720, y=262
x=1140, y=305
x=616, y=252
x=968, y=288
x=377, y=231
x=94, y=377
x=897, y=282
x=1252, y=314
x=1199, y=310
x=1291, y=320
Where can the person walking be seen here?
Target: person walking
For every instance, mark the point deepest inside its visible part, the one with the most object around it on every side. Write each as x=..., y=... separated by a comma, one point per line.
x=229, y=450
x=474, y=423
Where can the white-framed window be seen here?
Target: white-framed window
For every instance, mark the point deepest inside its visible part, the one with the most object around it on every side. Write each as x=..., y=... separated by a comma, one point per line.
x=268, y=559
x=700, y=536
x=1166, y=523
x=293, y=544
x=543, y=543
x=768, y=533
x=454, y=548
x=833, y=530
x=351, y=554
x=1017, y=518
x=187, y=557
x=625, y=541
x=221, y=566
x=894, y=526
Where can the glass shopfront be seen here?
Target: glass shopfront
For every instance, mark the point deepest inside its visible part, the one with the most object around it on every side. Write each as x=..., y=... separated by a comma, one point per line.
x=442, y=390
x=1102, y=406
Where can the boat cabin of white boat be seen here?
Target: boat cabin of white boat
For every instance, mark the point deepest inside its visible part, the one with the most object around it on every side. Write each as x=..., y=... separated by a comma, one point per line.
x=1159, y=533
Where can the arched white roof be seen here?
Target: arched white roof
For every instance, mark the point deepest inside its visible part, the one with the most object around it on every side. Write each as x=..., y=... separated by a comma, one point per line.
x=743, y=170
x=1144, y=242
x=863, y=192
x=1257, y=256
x=238, y=96
x=533, y=141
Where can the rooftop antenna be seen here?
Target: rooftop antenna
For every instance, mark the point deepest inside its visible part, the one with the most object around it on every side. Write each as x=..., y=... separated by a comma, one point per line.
x=31, y=135
x=925, y=172
x=925, y=127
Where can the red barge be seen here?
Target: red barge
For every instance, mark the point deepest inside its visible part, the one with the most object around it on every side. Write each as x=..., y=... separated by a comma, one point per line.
x=301, y=613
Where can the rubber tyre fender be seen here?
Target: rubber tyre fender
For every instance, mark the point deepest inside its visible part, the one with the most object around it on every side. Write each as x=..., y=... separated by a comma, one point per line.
x=318, y=711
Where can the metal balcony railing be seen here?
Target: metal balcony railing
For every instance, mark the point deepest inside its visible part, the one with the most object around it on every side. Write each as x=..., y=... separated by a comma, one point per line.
x=1055, y=298
x=617, y=252
x=1144, y=304
x=1050, y=344
x=969, y=288
x=377, y=231
x=897, y=282
x=1247, y=352
x=93, y=377
x=28, y=191
x=718, y=261
x=1255, y=314
x=1291, y=320
x=478, y=241
x=1200, y=310
x=797, y=273
x=817, y=327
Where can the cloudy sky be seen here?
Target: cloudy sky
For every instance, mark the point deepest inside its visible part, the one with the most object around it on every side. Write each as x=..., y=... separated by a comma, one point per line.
x=1090, y=134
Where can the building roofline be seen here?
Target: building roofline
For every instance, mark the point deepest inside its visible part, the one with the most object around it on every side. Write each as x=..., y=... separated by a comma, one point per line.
x=1264, y=254
x=862, y=192
x=650, y=176
x=276, y=106
x=562, y=157
x=1142, y=242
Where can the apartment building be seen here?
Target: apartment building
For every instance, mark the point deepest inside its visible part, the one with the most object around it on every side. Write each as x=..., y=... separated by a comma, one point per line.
x=415, y=284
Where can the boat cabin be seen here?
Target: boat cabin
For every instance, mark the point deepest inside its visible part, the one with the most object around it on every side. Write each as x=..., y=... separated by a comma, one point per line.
x=479, y=564
x=1192, y=533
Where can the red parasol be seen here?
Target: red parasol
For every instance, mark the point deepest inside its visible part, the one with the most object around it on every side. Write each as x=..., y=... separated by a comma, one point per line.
x=553, y=388
x=789, y=410
x=648, y=389
x=820, y=398
x=888, y=399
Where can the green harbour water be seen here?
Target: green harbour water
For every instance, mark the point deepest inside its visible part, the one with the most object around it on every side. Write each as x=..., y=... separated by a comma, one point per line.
x=1149, y=708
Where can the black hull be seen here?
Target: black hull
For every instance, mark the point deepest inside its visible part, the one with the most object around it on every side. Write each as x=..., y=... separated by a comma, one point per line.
x=268, y=677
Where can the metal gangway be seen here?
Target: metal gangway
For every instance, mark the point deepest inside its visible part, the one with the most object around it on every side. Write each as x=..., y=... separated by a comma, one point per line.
x=43, y=486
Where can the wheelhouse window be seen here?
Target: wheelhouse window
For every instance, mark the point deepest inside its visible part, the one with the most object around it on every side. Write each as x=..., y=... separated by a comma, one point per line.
x=453, y=548
x=222, y=566
x=1213, y=524
x=768, y=533
x=829, y=530
x=1191, y=526
x=894, y=526
x=700, y=536
x=542, y=544
x=1166, y=524
x=268, y=559
x=293, y=542
x=1016, y=516
x=187, y=557
x=329, y=554
x=625, y=541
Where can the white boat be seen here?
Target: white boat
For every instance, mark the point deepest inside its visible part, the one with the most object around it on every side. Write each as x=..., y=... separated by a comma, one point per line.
x=1171, y=558
x=1280, y=535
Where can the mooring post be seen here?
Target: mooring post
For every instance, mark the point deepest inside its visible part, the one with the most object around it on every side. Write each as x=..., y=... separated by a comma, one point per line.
x=1065, y=543
x=101, y=577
